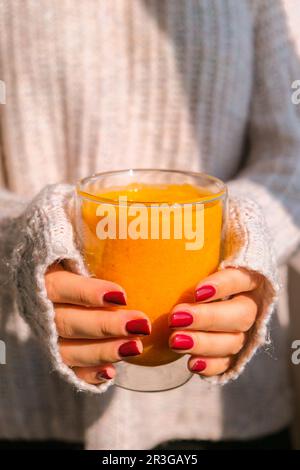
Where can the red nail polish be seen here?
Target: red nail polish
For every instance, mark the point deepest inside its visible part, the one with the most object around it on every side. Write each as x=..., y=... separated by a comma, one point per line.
x=104, y=375
x=199, y=366
x=204, y=293
x=182, y=342
x=115, y=297
x=138, y=327
x=129, y=349
x=179, y=319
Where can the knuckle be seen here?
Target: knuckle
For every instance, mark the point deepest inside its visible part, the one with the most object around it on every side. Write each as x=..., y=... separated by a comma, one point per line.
x=50, y=286
x=238, y=343
x=200, y=342
x=226, y=365
x=83, y=295
x=246, y=277
x=247, y=319
x=231, y=274
x=210, y=314
x=206, y=315
x=253, y=280
x=51, y=280
x=250, y=280
x=104, y=327
x=62, y=353
x=63, y=327
x=248, y=315
x=104, y=354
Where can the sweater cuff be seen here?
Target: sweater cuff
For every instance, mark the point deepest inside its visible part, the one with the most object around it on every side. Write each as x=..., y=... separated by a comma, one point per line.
x=46, y=236
x=248, y=245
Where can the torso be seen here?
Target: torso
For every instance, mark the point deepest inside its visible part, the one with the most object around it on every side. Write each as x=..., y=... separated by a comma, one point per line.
x=105, y=85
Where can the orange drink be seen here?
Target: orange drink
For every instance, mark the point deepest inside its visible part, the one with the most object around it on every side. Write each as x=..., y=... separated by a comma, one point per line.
x=157, y=239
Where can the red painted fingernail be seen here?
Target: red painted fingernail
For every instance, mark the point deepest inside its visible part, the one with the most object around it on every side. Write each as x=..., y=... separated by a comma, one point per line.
x=204, y=293
x=104, y=374
x=138, y=327
x=129, y=349
x=115, y=297
x=179, y=319
x=199, y=366
x=182, y=342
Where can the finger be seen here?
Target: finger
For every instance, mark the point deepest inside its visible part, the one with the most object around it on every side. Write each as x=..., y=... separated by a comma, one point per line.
x=207, y=344
x=84, y=353
x=95, y=375
x=209, y=366
x=227, y=282
x=79, y=322
x=69, y=288
x=233, y=315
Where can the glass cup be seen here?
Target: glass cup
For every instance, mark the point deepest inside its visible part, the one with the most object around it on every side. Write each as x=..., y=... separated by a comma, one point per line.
x=157, y=233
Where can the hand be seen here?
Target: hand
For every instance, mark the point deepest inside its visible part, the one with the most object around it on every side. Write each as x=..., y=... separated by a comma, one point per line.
x=93, y=330
x=214, y=332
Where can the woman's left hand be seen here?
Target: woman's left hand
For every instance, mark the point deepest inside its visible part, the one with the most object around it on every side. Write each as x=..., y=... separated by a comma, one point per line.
x=214, y=332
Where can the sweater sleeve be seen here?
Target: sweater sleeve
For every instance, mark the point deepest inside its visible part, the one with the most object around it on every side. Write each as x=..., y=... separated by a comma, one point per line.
x=272, y=173
x=247, y=245
x=34, y=235
x=264, y=207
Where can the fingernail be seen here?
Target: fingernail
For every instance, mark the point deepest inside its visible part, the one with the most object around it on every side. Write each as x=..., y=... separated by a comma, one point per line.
x=179, y=319
x=129, y=349
x=199, y=366
x=182, y=342
x=115, y=297
x=138, y=327
x=104, y=374
x=204, y=293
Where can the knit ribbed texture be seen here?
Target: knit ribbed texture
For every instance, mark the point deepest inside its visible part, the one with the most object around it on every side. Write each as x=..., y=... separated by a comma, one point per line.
x=44, y=235
x=100, y=85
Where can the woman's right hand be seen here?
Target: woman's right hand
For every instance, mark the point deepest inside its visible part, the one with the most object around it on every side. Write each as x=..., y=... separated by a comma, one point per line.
x=92, y=334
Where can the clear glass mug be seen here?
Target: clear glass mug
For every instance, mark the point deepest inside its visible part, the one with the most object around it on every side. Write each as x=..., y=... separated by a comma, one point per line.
x=157, y=233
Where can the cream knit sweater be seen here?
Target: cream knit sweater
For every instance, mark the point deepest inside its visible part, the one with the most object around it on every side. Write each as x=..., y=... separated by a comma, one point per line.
x=109, y=84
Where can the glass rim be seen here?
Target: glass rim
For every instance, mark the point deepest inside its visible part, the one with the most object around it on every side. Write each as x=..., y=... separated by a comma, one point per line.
x=96, y=199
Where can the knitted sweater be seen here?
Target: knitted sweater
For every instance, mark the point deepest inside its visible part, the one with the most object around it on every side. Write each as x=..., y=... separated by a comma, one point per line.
x=102, y=84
